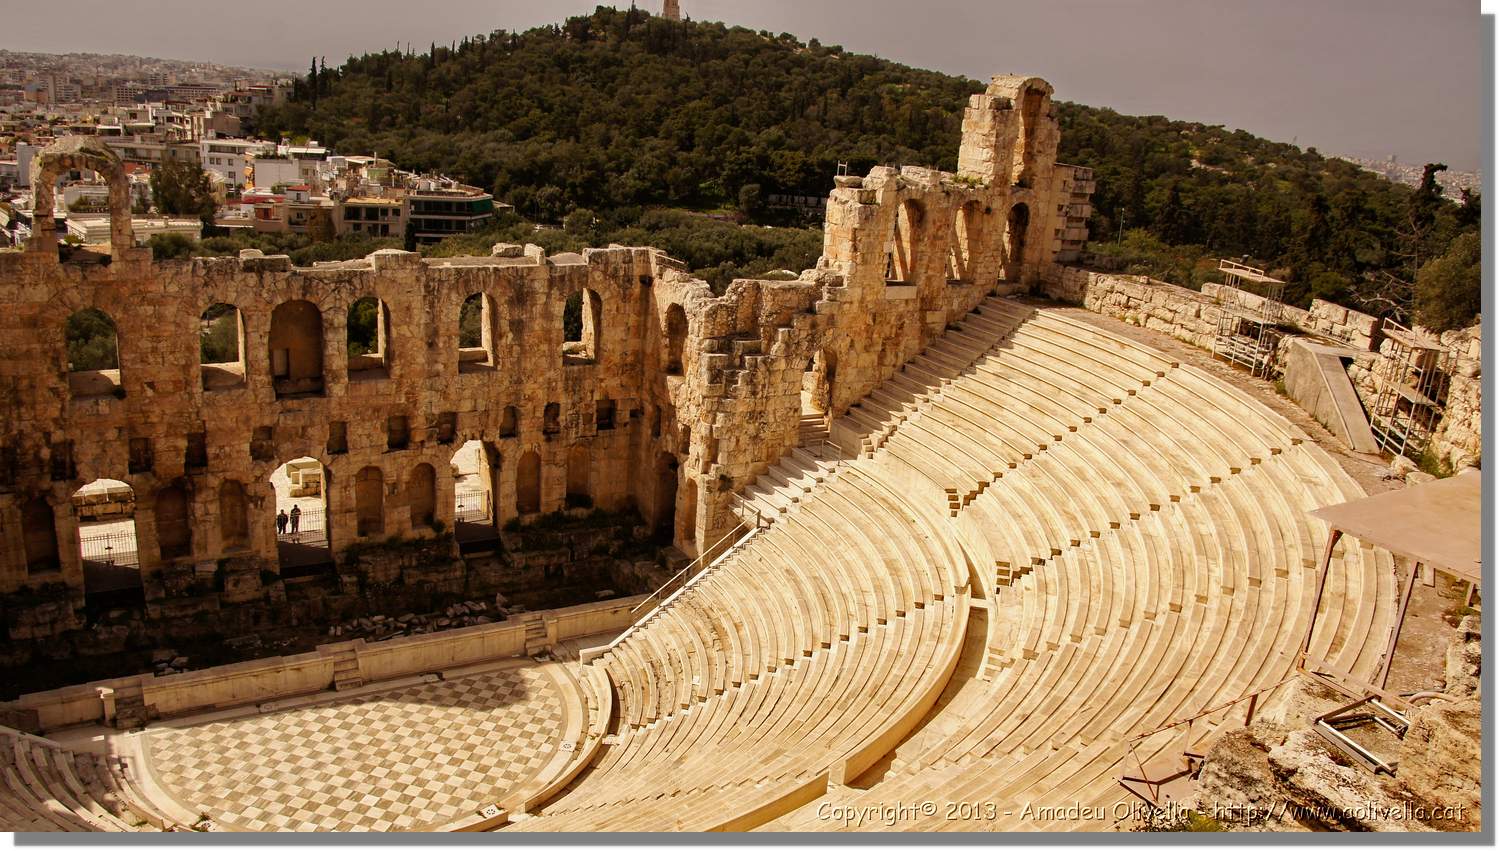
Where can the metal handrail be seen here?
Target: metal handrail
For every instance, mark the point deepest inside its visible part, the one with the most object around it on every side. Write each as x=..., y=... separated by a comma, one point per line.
x=1188, y=756
x=838, y=451
x=588, y=654
x=701, y=555
x=1252, y=696
x=746, y=505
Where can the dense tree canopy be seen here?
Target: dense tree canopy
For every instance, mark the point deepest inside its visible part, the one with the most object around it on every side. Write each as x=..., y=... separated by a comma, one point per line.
x=183, y=189
x=619, y=111
x=90, y=334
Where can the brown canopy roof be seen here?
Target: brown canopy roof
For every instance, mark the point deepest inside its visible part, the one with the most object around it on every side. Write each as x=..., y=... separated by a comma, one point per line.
x=1436, y=523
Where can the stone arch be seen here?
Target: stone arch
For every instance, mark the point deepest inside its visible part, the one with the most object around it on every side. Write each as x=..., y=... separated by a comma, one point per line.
x=1016, y=223
x=107, y=541
x=901, y=255
x=221, y=347
x=302, y=487
x=476, y=473
x=421, y=496
x=367, y=338
x=529, y=483
x=675, y=334
x=39, y=536
x=476, y=333
x=79, y=153
x=93, y=354
x=234, y=516
x=583, y=319
x=1032, y=109
x=369, y=502
x=964, y=242
x=580, y=494
x=295, y=344
x=174, y=524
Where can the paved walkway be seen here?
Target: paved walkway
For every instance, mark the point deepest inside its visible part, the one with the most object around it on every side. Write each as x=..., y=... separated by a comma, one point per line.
x=418, y=757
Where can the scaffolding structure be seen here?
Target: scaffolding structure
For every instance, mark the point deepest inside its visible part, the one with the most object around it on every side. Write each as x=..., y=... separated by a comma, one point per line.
x=1412, y=390
x=1250, y=312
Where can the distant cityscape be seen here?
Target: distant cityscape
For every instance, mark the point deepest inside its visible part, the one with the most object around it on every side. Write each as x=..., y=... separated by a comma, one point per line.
x=1453, y=182
x=152, y=112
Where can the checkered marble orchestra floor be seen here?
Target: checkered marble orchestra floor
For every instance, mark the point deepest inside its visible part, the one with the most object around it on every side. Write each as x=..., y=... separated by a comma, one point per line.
x=400, y=760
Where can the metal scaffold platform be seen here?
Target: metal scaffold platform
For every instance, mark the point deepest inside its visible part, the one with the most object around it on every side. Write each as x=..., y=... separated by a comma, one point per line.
x=1250, y=311
x=1412, y=389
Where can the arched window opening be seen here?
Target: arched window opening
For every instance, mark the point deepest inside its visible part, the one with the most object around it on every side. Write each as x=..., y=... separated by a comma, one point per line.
x=509, y=421
x=529, y=484
x=93, y=355
x=369, y=502
x=234, y=517
x=964, y=242
x=221, y=347
x=296, y=349
x=901, y=251
x=107, y=546
x=421, y=497
x=476, y=343
x=582, y=323
x=301, y=518
x=579, y=475
x=1015, y=241
x=368, y=340
x=174, y=528
x=39, y=537
x=676, y=334
x=1024, y=161
x=476, y=468
x=552, y=419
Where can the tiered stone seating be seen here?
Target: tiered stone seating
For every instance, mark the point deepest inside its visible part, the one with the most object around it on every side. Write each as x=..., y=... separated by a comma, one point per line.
x=866, y=427
x=1156, y=550
x=1151, y=557
x=1126, y=536
x=1140, y=530
x=47, y=787
x=839, y=663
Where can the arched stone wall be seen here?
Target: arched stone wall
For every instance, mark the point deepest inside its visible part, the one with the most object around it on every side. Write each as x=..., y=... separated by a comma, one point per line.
x=79, y=153
x=732, y=412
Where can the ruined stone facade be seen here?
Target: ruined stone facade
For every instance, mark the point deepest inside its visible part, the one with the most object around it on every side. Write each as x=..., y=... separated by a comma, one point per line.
x=673, y=400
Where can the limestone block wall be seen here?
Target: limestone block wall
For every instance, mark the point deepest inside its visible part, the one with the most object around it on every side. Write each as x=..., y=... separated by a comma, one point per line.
x=56, y=440
x=280, y=677
x=675, y=399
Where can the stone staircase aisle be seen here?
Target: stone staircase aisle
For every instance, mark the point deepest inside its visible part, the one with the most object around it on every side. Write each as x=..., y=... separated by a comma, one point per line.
x=872, y=420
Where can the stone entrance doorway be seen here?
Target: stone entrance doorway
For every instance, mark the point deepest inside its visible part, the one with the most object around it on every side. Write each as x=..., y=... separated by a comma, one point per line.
x=302, y=494
x=107, y=545
x=475, y=467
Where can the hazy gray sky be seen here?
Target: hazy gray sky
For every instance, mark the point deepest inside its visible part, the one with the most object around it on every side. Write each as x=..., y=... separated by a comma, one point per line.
x=1363, y=77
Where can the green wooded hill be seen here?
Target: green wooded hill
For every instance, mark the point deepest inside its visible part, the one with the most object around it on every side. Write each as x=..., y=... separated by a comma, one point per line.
x=619, y=111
